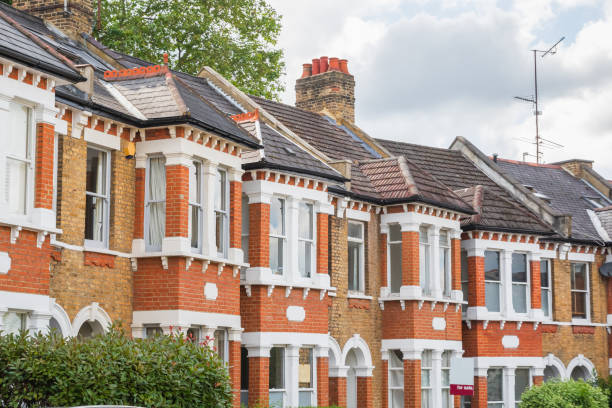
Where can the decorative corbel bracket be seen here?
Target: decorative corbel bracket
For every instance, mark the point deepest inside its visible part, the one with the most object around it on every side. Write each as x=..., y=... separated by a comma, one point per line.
x=305, y=294
x=164, y=261
x=15, y=233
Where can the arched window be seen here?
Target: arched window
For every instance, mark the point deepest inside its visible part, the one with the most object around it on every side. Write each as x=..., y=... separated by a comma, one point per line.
x=89, y=330
x=551, y=372
x=580, y=373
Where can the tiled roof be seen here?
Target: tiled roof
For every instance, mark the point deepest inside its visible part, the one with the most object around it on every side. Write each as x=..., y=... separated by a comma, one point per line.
x=565, y=193
x=499, y=210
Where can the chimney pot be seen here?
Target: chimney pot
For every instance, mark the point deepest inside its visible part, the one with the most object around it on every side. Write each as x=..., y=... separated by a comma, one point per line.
x=307, y=70
x=344, y=66
x=324, y=64
x=316, y=66
x=334, y=64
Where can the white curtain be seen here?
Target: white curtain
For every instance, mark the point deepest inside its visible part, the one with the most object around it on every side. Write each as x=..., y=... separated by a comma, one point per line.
x=157, y=201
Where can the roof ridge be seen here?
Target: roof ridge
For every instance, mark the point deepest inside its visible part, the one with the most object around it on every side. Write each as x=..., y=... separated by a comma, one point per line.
x=176, y=94
x=445, y=149
x=523, y=163
x=411, y=184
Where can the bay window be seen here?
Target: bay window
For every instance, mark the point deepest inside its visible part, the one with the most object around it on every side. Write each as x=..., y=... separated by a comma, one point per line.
x=276, y=376
x=522, y=382
x=155, y=205
x=14, y=322
x=17, y=151
x=222, y=213
x=195, y=206
x=396, y=379
x=395, y=257
x=355, y=257
x=495, y=388
x=546, y=287
x=492, y=281
x=153, y=331
x=445, y=263
x=424, y=271
x=426, y=379
x=306, y=239
x=580, y=291
x=447, y=398
x=464, y=278
x=278, y=235
x=306, y=378
x=520, y=295
x=97, y=197
x=193, y=335
x=221, y=344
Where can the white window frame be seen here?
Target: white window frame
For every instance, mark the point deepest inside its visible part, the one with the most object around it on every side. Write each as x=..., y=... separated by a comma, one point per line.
x=389, y=258
x=107, y=202
x=148, y=246
x=281, y=391
x=465, y=283
x=23, y=320
x=392, y=388
x=587, y=291
x=547, y=290
x=282, y=237
x=198, y=166
x=224, y=213
x=430, y=370
x=530, y=384
x=446, y=278
x=361, y=246
x=501, y=403
x=225, y=344
x=527, y=283
x=425, y=266
x=307, y=241
x=151, y=331
x=29, y=160
x=244, y=232
x=500, y=282
x=313, y=371
x=443, y=369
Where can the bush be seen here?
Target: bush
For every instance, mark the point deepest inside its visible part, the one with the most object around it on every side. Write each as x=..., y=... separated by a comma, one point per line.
x=47, y=370
x=567, y=394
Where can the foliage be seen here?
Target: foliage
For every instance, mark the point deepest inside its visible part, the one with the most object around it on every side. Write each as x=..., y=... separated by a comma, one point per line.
x=168, y=371
x=605, y=383
x=237, y=38
x=566, y=394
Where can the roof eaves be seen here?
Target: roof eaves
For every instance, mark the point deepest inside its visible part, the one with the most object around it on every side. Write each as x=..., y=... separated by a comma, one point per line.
x=263, y=164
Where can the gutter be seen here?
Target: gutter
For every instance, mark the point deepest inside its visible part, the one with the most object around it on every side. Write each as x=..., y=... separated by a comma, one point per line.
x=263, y=164
x=42, y=66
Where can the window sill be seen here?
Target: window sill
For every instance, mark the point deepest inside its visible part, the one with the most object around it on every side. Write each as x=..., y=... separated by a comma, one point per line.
x=396, y=296
x=358, y=295
x=7, y=222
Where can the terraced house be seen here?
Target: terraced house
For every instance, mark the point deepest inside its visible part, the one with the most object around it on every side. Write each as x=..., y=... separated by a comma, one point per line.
x=328, y=267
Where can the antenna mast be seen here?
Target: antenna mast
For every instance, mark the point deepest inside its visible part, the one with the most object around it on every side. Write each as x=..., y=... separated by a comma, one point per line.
x=534, y=100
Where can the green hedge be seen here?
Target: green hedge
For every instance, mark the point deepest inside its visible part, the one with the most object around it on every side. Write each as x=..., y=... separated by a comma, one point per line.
x=49, y=371
x=567, y=394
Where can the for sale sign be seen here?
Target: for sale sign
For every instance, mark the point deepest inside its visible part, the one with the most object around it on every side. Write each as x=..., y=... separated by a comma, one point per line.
x=462, y=376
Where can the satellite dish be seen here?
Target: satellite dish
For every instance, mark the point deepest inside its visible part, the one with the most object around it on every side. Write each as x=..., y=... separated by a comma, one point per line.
x=606, y=270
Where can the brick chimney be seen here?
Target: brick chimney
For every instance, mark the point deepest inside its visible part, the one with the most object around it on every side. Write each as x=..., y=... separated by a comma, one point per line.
x=71, y=16
x=327, y=87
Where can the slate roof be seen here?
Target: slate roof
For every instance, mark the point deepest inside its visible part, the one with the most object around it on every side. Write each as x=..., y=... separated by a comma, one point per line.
x=497, y=209
x=605, y=217
x=566, y=193
x=20, y=47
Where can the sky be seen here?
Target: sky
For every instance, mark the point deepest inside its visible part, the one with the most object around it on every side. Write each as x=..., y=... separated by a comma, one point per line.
x=427, y=71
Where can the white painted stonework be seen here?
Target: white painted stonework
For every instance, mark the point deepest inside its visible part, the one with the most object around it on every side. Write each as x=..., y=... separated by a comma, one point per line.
x=210, y=291
x=510, y=342
x=438, y=323
x=296, y=313
x=5, y=263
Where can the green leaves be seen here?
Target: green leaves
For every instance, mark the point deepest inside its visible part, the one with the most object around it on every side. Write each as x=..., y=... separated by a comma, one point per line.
x=568, y=394
x=43, y=371
x=237, y=38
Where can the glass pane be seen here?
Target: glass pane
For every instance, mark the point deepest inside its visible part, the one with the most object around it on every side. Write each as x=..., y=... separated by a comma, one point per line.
x=579, y=305
x=195, y=186
x=151, y=332
x=244, y=368
x=244, y=397
x=193, y=335
x=221, y=191
x=464, y=266
x=444, y=238
x=395, y=232
x=519, y=268
x=423, y=235
x=492, y=296
x=444, y=272
x=426, y=399
x=95, y=214
x=446, y=399
x=465, y=290
x=396, y=359
x=195, y=226
x=276, y=255
x=17, y=143
x=220, y=232
x=545, y=302
x=445, y=378
x=521, y=382
x=579, y=276
x=426, y=359
x=396, y=378
x=395, y=255
x=16, y=183
x=494, y=385
x=354, y=266
x=305, y=399
x=220, y=340
x=355, y=230
x=277, y=216
x=96, y=172
x=397, y=399
x=424, y=272
x=519, y=298
x=157, y=223
x=425, y=378
x=446, y=359
x=277, y=366
x=305, y=221
x=580, y=373
x=14, y=322
x=276, y=399
x=245, y=215
x=551, y=372
x=305, y=368
x=544, y=274
x=157, y=179
x=492, y=265
x=305, y=258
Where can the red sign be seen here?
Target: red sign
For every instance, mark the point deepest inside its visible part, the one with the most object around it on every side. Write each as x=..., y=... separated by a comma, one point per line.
x=456, y=389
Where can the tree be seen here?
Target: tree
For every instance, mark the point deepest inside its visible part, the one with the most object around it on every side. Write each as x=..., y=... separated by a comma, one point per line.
x=237, y=38
x=567, y=394
x=167, y=371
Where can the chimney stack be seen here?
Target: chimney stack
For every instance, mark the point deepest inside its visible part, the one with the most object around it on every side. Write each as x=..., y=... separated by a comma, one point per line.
x=71, y=16
x=327, y=87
